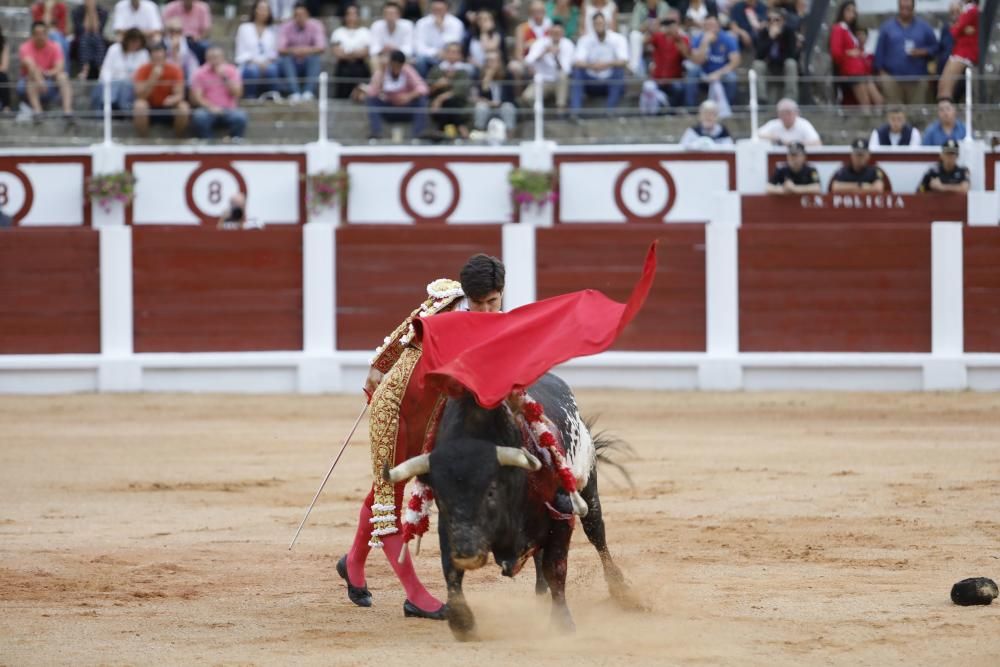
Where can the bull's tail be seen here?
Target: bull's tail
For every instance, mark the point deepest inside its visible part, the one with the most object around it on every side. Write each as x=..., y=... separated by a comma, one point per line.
x=611, y=451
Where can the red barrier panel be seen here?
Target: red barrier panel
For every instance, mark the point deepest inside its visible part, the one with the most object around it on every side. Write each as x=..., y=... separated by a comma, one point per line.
x=870, y=209
x=382, y=273
x=608, y=258
x=208, y=290
x=981, y=275
x=49, y=291
x=835, y=288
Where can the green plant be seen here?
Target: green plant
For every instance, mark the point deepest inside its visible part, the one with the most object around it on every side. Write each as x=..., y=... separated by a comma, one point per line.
x=108, y=188
x=324, y=187
x=532, y=188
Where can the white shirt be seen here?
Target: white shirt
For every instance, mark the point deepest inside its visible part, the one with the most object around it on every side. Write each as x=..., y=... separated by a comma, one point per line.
x=351, y=40
x=894, y=137
x=146, y=18
x=589, y=11
x=801, y=131
x=429, y=39
x=119, y=65
x=401, y=38
x=591, y=50
x=545, y=63
x=252, y=48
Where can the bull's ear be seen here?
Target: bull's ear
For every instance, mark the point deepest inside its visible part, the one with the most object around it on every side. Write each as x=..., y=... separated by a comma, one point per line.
x=418, y=465
x=513, y=456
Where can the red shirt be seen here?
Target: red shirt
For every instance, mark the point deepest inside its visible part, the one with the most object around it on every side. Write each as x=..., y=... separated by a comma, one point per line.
x=58, y=15
x=667, y=58
x=44, y=58
x=171, y=76
x=967, y=45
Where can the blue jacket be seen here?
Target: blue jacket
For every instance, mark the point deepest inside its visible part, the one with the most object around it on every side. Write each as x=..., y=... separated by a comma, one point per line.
x=935, y=136
x=718, y=52
x=890, y=52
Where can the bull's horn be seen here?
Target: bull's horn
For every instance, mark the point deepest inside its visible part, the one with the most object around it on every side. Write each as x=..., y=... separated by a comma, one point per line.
x=418, y=465
x=512, y=456
x=579, y=504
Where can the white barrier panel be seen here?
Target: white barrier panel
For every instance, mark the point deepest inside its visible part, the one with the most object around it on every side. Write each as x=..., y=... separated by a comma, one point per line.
x=903, y=168
x=42, y=188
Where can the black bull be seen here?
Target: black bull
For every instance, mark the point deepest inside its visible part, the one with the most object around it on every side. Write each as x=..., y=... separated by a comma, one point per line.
x=492, y=500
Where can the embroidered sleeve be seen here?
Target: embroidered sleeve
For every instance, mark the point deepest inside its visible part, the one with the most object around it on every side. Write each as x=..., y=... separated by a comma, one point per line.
x=392, y=346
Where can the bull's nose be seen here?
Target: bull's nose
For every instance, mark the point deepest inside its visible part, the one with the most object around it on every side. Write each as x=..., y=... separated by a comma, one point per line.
x=469, y=562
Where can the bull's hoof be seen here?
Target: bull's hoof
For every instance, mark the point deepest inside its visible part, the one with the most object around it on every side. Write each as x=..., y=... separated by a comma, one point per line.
x=541, y=587
x=562, y=621
x=978, y=590
x=462, y=622
x=411, y=610
x=627, y=599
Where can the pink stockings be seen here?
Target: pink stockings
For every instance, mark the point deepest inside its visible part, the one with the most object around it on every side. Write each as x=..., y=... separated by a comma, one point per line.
x=392, y=545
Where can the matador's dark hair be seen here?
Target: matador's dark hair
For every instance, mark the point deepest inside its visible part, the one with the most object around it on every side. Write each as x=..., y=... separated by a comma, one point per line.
x=481, y=275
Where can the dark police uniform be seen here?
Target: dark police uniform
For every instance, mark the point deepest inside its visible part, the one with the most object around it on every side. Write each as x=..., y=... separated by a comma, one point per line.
x=954, y=177
x=868, y=174
x=805, y=176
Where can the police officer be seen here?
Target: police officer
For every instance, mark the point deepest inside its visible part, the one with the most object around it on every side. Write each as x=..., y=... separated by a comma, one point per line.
x=946, y=175
x=858, y=175
x=795, y=176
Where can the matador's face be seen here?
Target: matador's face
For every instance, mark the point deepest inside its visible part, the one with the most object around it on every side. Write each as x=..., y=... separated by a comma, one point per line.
x=491, y=303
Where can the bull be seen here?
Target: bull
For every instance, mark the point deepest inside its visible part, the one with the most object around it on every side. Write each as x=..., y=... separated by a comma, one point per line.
x=494, y=497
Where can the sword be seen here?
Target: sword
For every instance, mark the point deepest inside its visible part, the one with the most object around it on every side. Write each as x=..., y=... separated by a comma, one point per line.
x=328, y=473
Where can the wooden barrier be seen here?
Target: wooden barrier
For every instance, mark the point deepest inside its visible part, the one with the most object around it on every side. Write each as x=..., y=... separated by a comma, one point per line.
x=50, y=295
x=382, y=273
x=855, y=208
x=981, y=274
x=208, y=290
x=608, y=258
x=835, y=288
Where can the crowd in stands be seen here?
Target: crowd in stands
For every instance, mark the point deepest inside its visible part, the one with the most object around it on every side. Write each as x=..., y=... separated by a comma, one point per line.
x=452, y=69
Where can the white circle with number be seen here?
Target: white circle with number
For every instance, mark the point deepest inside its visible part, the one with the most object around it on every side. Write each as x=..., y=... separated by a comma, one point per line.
x=430, y=193
x=12, y=194
x=645, y=192
x=212, y=191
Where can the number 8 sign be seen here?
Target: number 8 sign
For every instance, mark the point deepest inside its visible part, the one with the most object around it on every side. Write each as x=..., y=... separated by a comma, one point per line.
x=645, y=193
x=209, y=190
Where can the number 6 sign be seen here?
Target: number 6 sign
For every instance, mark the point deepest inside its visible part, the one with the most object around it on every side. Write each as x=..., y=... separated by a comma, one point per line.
x=429, y=194
x=645, y=193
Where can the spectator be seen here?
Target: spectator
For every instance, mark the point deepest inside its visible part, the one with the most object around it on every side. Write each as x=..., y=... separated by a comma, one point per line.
x=945, y=41
x=946, y=175
x=789, y=127
x=433, y=33
x=895, y=132
x=43, y=73
x=567, y=12
x=965, y=52
x=178, y=52
x=946, y=127
x=695, y=12
x=495, y=96
x=257, y=53
x=503, y=13
x=552, y=58
x=715, y=55
x=141, y=14
x=53, y=14
x=216, y=89
x=414, y=10
x=159, y=94
x=848, y=56
x=390, y=33
x=4, y=72
x=599, y=67
x=747, y=18
x=350, y=43
x=858, y=175
x=526, y=34
x=235, y=215
x=906, y=46
x=776, y=61
x=89, y=20
x=122, y=61
x=708, y=132
x=644, y=23
x=196, y=21
x=795, y=176
x=606, y=8
x=450, y=84
x=486, y=39
x=670, y=48
x=301, y=43
x=398, y=92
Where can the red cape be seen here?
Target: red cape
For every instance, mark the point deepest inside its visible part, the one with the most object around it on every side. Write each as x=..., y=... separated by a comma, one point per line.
x=492, y=354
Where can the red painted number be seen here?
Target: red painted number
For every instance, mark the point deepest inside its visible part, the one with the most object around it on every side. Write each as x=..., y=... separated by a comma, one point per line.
x=214, y=192
x=644, y=191
x=4, y=197
x=427, y=193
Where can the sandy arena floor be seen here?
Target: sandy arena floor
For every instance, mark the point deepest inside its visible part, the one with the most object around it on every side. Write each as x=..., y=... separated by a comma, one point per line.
x=764, y=529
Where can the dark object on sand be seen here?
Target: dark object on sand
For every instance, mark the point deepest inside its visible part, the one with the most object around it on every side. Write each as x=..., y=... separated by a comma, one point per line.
x=978, y=590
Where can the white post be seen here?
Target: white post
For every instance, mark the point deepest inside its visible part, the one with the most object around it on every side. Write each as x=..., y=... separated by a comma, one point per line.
x=519, y=258
x=322, y=106
x=752, y=78
x=117, y=369
x=539, y=109
x=317, y=288
x=721, y=369
x=945, y=370
x=107, y=111
x=968, y=104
